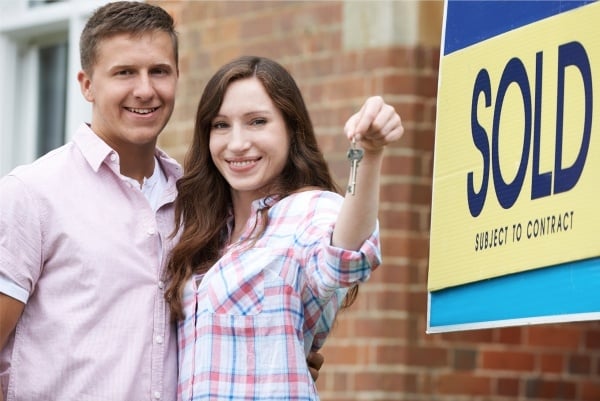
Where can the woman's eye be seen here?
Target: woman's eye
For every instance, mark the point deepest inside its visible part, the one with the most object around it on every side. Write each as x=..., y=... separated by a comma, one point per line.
x=259, y=121
x=219, y=125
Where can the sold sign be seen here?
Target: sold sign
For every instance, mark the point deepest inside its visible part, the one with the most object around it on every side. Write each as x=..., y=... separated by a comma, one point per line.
x=517, y=155
x=570, y=55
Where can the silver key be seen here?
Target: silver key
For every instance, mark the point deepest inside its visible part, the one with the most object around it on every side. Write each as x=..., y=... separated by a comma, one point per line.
x=355, y=156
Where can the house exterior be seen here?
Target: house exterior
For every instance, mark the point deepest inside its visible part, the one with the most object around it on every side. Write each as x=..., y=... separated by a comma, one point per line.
x=340, y=52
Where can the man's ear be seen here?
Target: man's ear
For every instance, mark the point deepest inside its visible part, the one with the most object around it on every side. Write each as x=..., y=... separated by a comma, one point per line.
x=85, y=84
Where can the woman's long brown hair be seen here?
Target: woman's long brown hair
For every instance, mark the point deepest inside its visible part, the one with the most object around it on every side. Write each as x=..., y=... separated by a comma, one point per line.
x=204, y=199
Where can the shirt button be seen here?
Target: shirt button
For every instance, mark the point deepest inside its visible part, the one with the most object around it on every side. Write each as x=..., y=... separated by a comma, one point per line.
x=159, y=339
x=151, y=231
x=161, y=284
x=113, y=157
x=157, y=395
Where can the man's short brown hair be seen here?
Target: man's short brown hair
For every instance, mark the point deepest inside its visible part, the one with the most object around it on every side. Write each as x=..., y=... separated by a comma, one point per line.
x=120, y=17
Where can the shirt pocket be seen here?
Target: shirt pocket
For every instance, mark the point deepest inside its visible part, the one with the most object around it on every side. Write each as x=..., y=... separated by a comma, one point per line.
x=235, y=285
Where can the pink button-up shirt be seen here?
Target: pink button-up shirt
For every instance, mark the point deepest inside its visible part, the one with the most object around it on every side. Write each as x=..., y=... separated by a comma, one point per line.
x=86, y=245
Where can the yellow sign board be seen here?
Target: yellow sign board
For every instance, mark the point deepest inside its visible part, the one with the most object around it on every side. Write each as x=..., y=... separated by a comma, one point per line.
x=516, y=182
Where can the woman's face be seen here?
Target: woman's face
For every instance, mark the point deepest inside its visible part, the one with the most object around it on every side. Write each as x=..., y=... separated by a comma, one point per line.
x=249, y=142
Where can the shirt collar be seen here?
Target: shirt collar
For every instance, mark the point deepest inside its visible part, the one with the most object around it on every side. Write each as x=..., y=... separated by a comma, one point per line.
x=257, y=205
x=264, y=203
x=96, y=151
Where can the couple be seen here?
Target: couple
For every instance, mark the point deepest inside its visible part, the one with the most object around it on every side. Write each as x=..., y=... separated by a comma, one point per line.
x=93, y=281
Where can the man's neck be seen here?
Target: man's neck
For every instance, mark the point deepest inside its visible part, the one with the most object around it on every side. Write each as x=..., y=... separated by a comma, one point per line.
x=137, y=165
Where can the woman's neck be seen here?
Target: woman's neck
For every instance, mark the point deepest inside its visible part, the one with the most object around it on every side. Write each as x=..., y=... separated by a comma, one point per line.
x=242, y=209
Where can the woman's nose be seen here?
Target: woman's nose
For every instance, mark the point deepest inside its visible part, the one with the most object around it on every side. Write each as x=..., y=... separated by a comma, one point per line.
x=238, y=140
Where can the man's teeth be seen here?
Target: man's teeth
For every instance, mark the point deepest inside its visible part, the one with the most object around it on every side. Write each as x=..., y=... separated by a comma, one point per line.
x=143, y=111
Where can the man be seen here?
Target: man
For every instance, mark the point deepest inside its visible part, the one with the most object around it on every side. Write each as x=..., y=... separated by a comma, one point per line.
x=84, y=230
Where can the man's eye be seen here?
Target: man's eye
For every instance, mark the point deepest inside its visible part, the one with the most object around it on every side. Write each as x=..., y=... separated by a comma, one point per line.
x=160, y=71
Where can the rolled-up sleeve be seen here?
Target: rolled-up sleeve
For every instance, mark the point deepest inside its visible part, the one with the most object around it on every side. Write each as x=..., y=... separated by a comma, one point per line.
x=20, y=238
x=328, y=267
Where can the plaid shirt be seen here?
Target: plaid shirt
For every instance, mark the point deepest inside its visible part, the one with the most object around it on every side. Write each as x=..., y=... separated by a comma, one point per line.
x=247, y=319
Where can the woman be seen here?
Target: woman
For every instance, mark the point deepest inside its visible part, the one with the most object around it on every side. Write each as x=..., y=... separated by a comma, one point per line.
x=266, y=239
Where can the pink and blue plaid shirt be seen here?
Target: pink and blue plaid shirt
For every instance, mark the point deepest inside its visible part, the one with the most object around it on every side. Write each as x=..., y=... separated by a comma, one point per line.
x=247, y=319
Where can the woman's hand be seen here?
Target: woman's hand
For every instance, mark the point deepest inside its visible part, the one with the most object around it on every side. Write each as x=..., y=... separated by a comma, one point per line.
x=375, y=125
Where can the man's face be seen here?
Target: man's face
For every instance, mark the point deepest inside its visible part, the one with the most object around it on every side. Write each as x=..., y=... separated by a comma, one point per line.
x=132, y=89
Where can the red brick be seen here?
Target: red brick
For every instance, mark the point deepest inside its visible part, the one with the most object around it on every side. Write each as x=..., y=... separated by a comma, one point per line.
x=428, y=356
x=338, y=354
x=580, y=364
x=400, y=219
x=310, y=67
x=402, y=245
x=379, y=328
x=412, y=112
x=349, y=63
x=401, y=165
x=552, y=363
x=510, y=335
x=550, y=389
x=393, y=272
x=422, y=138
x=462, y=383
x=508, y=387
x=383, y=299
x=390, y=355
x=399, y=57
x=339, y=88
x=464, y=359
x=560, y=336
x=507, y=360
x=592, y=339
x=473, y=336
x=590, y=390
x=397, y=83
x=417, y=302
x=378, y=381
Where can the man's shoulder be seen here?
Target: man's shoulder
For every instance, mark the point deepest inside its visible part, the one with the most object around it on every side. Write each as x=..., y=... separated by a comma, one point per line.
x=45, y=177
x=51, y=166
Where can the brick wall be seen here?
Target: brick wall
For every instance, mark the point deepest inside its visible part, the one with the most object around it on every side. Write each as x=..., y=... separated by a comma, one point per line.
x=340, y=53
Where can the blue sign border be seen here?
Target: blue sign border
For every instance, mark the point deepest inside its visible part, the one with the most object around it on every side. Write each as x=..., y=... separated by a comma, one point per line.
x=557, y=293
x=470, y=22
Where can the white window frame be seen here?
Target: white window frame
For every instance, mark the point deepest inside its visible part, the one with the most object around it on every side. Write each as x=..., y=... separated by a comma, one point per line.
x=22, y=31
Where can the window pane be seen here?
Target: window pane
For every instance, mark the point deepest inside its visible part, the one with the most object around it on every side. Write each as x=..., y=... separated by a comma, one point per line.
x=52, y=97
x=38, y=3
